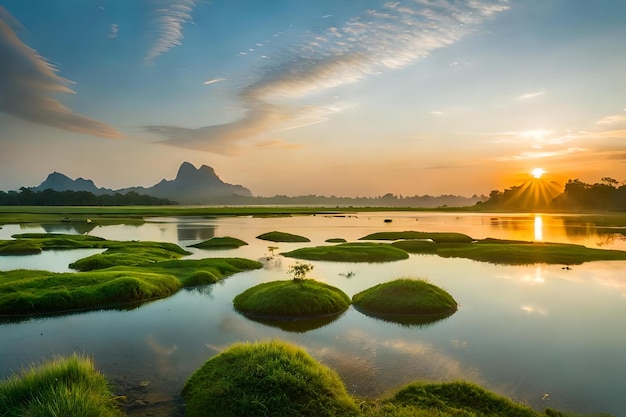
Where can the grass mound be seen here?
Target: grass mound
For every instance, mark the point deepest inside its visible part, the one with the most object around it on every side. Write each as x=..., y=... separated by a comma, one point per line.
x=69, y=387
x=405, y=297
x=292, y=299
x=226, y=242
x=511, y=252
x=283, y=237
x=266, y=379
x=437, y=237
x=448, y=400
x=350, y=252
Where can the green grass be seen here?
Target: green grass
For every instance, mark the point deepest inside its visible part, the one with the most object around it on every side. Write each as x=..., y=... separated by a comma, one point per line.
x=37, y=292
x=64, y=387
x=405, y=299
x=266, y=379
x=131, y=253
x=19, y=247
x=292, y=299
x=350, y=252
x=226, y=242
x=455, y=399
x=506, y=252
x=437, y=237
x=282, y=237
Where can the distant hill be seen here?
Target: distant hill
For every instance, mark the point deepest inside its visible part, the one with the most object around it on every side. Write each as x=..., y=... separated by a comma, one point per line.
x=203, y=186
x=193, y=186
x=60, y=182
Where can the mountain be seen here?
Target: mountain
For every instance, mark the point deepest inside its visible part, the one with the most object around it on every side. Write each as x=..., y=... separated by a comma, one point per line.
x=193, y=186
x=60, y=182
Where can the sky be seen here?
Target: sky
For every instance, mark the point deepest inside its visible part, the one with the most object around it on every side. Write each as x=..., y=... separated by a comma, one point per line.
x=326, y=97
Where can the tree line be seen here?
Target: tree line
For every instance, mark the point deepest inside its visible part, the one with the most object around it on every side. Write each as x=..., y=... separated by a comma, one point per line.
x=606, y=195
x=49, y=197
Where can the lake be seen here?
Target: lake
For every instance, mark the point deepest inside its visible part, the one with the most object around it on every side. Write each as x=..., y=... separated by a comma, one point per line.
x=542, y=335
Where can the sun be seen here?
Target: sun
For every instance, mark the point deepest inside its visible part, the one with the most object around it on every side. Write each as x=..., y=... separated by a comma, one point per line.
x=537, y=172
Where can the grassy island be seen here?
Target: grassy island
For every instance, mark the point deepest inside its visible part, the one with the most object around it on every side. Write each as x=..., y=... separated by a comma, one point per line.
x=127, y=272
x=283, y=237
x=336, y=240
x=437, y=237
x=507, y=252
x=226, y=242
x=68, y=386
x=350, y=252
x=404, y=299
x=292, y=299
x=266, y=379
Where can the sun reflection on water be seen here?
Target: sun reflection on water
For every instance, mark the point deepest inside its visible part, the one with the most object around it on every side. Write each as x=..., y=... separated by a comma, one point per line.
x=538, y=228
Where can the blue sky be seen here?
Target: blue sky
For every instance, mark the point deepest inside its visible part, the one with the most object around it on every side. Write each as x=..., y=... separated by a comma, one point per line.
x=314, y=97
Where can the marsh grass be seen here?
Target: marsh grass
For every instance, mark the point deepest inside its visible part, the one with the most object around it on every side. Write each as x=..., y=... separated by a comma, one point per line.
x=350, y=252
x=292, y=299
x=226, y=242
x=266, y=379
x=64, y=387
x=437, y=237
x=405, y=297
x=508, y=252
x=283, y=237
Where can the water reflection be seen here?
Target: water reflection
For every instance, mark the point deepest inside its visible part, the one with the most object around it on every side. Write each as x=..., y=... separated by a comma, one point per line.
x=538, y=228
x=422, y=320
x=296, y=325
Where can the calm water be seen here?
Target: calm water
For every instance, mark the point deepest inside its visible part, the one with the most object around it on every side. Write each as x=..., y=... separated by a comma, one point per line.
x=542, y=335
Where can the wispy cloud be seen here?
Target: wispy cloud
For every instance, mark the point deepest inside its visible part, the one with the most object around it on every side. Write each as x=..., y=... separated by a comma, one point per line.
x=531, y=95
x=113, y=31
x=28, y=82
x=169, y=17
x=369, y=44
x=213, y=81
x=612, y=120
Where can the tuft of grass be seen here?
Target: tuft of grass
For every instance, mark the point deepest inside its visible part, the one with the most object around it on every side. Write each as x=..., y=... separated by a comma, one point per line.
x=68, y=387
x=266, y=379
x=350, y=252
x=283, y=237
x=437, y=237
x=292, y=299
x=405, y=297
x=226, y=242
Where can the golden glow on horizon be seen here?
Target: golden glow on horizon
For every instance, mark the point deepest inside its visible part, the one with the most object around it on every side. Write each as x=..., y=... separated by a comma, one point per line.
x=537, y=172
